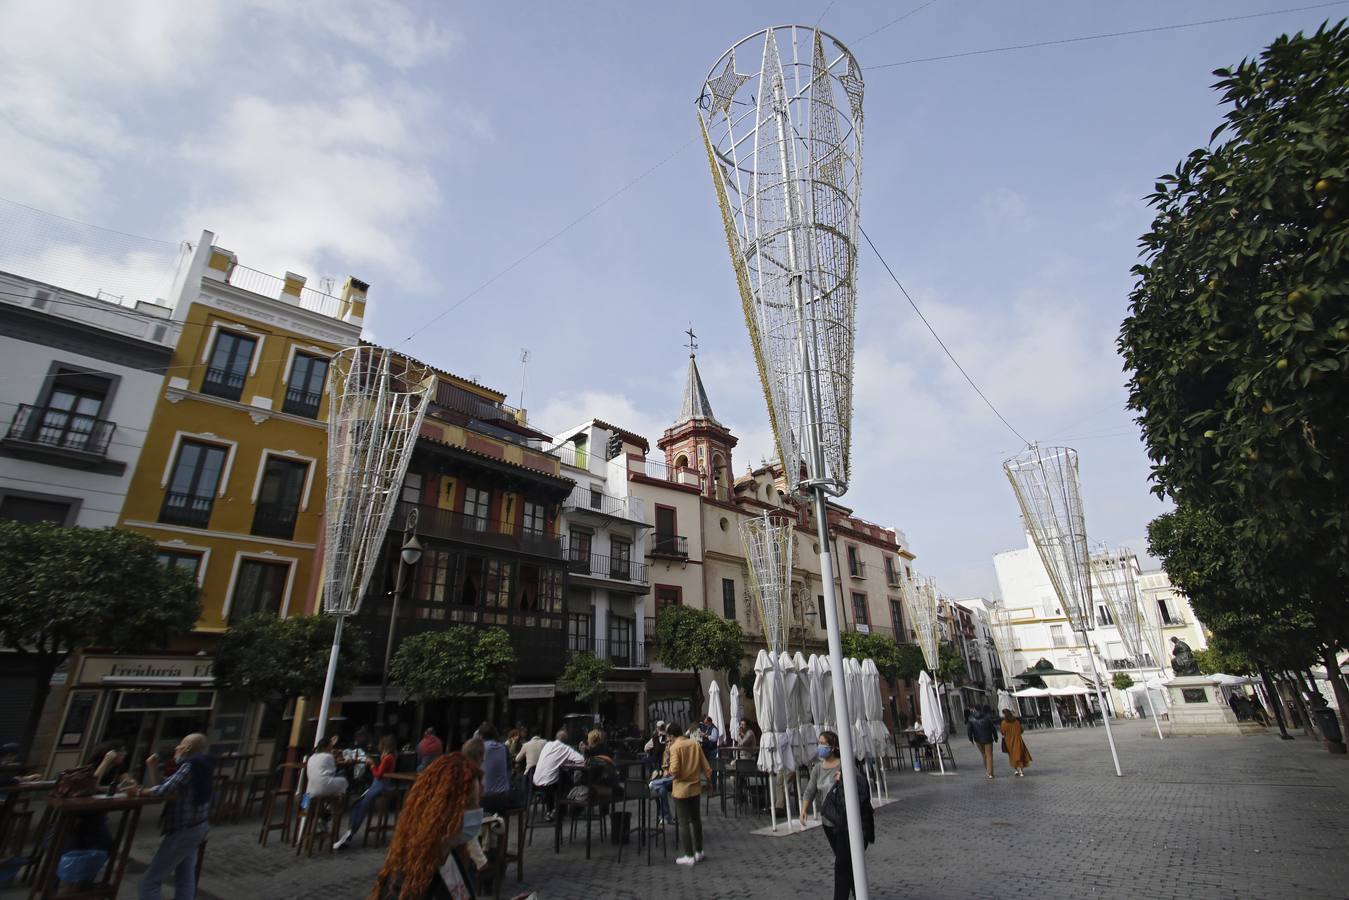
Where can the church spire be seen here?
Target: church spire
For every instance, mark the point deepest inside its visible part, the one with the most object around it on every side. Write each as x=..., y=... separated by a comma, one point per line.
x=696, y=404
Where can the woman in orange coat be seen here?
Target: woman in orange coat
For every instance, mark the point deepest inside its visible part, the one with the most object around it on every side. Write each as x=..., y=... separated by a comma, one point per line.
x=1012, y=744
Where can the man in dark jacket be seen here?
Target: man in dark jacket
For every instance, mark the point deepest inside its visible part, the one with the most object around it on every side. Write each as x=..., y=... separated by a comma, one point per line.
x=984, y=731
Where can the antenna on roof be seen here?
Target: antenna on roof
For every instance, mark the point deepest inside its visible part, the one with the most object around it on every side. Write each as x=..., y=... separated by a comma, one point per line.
x=524, y=372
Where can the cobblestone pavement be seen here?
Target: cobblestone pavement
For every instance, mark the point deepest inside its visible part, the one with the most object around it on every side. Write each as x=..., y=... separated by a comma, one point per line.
x=1193, y=818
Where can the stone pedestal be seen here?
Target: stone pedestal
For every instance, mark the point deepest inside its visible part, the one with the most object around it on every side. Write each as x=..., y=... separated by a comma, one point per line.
x=1198, y=707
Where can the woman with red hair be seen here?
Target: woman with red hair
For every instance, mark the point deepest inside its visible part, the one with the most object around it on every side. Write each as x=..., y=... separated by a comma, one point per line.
x=427, y=859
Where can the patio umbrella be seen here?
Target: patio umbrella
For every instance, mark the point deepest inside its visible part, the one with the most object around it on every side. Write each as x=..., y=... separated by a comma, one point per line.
x=736, y=712
x=929, y=710
x=875, y=714
x=828, y=719
x=1032, y=692
x=714, y=708
x=791, y=685
x=1005, y=701
x=775, y=751
x=857, y=709
x=805, y=702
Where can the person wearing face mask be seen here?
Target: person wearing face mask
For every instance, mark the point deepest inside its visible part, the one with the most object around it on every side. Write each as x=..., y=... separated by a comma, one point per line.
x=184, y=822
x=429, y=857
x=825, y=784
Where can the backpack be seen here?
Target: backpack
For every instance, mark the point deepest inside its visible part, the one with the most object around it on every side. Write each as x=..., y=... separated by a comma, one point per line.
x=834, y=811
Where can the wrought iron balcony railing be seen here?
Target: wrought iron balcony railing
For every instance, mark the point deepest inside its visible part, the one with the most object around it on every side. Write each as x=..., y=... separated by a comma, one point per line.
x=624, y=654
x=191, y=510
x=223, y=383
x=619, y=568
x=274, y=520
x=857, y=568
x=302, y=403
x=59, y=429
x=444, y=523
x=675, y=545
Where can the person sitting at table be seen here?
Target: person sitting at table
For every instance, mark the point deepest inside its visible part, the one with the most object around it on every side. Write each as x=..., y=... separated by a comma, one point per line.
x=555, y=754
x=528, y=757
x=320, y=770
x=388, y=760
x=184, y=823
x=429, y=748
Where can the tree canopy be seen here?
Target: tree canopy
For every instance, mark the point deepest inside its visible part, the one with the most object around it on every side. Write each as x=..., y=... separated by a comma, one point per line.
x=1238, y=335
x=585, y=676
x=459, y=660
x=882, y=650
x=275, y=660
x=696, y=639
x=949, y=662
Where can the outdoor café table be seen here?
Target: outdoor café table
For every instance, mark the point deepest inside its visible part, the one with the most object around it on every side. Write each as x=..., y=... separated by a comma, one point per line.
x=67, y=811
x=23, y=790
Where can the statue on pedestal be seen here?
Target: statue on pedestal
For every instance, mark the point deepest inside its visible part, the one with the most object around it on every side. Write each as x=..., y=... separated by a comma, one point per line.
x=1182, y=658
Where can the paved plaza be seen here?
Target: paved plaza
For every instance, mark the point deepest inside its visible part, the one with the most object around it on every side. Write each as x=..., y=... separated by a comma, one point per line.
x=1192, y=818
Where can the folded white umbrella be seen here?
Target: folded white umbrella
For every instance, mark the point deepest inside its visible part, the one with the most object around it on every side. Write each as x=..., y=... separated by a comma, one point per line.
x=828, y=715
x=1006, y=701
x=929, y=710
x=805, y=702
x=790, y=679
x=775, y=753
x=857, y=710
x=736, y=712
x=880, y=735
x=714, y=709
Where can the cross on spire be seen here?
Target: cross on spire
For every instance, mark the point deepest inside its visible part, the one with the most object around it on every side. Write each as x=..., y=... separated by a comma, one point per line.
x=693, y=340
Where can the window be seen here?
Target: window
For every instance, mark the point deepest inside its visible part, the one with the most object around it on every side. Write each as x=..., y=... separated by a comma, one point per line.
x=819, y=600
x=177, y=559
x=433, y=583
x=550, y=595
x=897, y=619
x=18, y=508
x=665, y=541
x=230, y=359
x=596, y=498
x=412, y=488
x=854, y=564
x=620, y=559
x=304, y=387
x=259, y=587
x=728, y=598
x=470, y=582
x=620, y=640
x=859, y=609
x=1056, y=633
x=279, y=498
x=667, y=595
x=477, y=502
x=1103, y=616
x=578, y=633
x=1167, y=618
x=70, y=417
x=578, y=550
x=497, y=584
x=528, y=589
x=193, y=485
x=535, y=520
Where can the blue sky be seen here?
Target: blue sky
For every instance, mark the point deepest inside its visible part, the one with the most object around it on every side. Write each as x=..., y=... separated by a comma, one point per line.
x=426, y=147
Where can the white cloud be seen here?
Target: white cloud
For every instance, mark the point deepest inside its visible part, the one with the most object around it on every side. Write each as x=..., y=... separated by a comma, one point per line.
x=1005, y=208
x=567, y=409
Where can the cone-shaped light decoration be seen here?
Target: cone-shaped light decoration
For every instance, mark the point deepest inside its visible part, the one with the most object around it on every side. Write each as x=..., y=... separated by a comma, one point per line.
x=785, y=146
x=921, y=600
x=768, y=547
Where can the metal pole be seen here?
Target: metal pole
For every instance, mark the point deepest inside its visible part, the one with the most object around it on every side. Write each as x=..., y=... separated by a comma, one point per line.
x=1105, y=718
x=850, y=794
x=1147, y=692
x=388, y=643
x=328, y=682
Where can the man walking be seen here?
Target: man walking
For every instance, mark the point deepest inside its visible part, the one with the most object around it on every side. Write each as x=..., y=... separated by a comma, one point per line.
x=984, y=731
x=185, y=825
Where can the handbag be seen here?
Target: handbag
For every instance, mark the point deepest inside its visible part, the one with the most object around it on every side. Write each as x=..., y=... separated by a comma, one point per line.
x=78, y=782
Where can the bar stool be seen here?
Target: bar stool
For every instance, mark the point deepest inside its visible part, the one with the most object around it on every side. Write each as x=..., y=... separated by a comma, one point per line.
x=317, y=831
x=383, y=817
x=278, y=789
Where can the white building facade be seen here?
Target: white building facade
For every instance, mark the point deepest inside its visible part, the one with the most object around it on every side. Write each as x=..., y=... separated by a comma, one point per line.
x=1041, y=630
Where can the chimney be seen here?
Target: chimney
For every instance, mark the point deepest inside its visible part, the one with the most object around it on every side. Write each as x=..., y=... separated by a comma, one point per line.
x=291, y=287
x=352, y=309
x=221, y=264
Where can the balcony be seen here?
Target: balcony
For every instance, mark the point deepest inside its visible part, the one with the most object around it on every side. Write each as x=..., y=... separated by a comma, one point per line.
x=586, y=501
x=623, y=654
x=857, y=568
x=452, y=397
x=82, y=438
x=186, y=509
x=302, y=403
x=672, y=546
x=456, y=526
x=223, y=383
x=892, y=577
x=274, y=520
x=616, y=568
x=659, y=471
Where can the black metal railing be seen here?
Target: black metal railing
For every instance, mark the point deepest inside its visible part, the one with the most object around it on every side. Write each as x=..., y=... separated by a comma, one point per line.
x=302, y=403
x=191, y=510
x=624, y=654
x=223, y=383
x=60, y=429
x=444, y=523
x=581, y=562
x=669, y=545
x=274, y=520
x=857, y=568
x=452, y=397
x=892, y=577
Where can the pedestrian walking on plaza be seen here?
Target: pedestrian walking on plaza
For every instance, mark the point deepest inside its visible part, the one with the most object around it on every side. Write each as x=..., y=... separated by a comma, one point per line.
x=688, y=768
x=983, y=731
x=826, y=784
x=429, y=748
x=1012, y=743
x=184, y=822
x=428, y=857
x=388, y=760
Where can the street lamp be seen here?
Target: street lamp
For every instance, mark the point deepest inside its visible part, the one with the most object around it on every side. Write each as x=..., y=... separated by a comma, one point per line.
x=411, y=555
x=810, y=615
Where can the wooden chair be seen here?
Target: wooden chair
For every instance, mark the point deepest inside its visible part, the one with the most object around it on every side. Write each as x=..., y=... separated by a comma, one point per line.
x=318, y=828
x=383, y=817
x=570, y=778
x=278, y=789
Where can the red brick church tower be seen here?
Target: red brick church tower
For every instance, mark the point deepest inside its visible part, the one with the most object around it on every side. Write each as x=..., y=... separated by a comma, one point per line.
x=697, y=440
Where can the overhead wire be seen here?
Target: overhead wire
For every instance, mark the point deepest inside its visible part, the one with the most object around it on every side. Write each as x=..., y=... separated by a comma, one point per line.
x=940, y=342
x=1103, y=35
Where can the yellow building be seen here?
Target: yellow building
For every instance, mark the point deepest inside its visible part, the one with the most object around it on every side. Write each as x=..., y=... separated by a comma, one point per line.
x=230, y=484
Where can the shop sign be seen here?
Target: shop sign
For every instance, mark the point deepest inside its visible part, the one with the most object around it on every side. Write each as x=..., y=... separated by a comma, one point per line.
x=532, y=691
x=99, y=669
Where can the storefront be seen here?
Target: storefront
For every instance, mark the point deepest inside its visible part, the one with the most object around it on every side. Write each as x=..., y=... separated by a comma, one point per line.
x=147, y=704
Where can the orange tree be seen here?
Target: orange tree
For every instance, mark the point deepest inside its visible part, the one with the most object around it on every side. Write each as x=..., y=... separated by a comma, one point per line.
x=1237, y=339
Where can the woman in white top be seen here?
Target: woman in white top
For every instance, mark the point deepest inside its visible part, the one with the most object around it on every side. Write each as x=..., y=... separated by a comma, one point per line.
x=321, y=771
